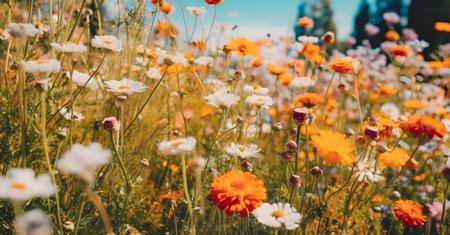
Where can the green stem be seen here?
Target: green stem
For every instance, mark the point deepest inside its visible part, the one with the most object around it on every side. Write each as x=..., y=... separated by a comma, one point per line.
x=186, y=192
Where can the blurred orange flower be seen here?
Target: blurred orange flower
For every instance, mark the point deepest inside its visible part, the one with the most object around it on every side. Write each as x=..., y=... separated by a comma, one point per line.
x=213, y=2
x=334, y=148
x=392, y=35
x=341, y=66
x=413, y=104
x=401, y=50
x=395, y=159
x=308, y=100
x=258, y=62
x=243, y=47
x=277, y=69
x=425, y=126
x=442, y=26
x=166, y=8
x=306, y=22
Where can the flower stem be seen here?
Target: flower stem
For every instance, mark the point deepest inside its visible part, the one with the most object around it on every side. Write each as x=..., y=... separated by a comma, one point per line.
x=325, y=101
x=186, y=192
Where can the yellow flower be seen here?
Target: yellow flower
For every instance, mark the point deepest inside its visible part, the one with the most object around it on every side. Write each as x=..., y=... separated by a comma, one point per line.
x=243, y=47
x=334, y=148
x=394, y=159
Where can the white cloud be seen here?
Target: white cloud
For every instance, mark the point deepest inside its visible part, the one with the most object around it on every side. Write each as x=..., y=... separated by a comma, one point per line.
x=233, y=14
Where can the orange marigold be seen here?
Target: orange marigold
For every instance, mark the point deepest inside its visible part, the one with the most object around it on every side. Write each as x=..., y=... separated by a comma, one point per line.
x=170, y=196
x=334, y=148
x=425, y=126
x=306, y=22
x=238, y=191
x=385, y=90
x=401, y=50
x=310, y=50
x=285, y=79
x=166, y=8
x=442, y=26
x=213, y=2
x=409, y=213
x=341, y=66
x=392, y=35
x=413, y=104
x=308, y=99
x=435, y=65
x=395, y=159
x=277, y=69
x=243, y=47
x=258, y=62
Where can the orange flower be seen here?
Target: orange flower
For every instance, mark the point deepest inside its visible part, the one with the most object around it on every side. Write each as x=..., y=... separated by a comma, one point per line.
x=425, y=126
x=305, y=22
x=341, y=66
x=392, y=35
x=166, y=8
x=238, y=191
x=257, y=62
x=213, y=2
x=385, y=90
x=308, y=99
x=401, y=50
x=413, y=104
x=285, y=79
x=277, y=69
x=170, y=196
x=409, y=213
x=435, y=65
x=334, y=148
x=243, y=47
x=198, y=44
x=442, y=26
x=310, y=50
x=395, y=159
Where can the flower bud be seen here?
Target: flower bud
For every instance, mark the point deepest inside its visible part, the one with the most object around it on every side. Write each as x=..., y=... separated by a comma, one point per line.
x=246, y=166
x=381, y=147
x=445, y=171
x=239, y=74
x=61, y=133
x=342, y=87
x=373, y=121
x=293, y=132
x=175, y=133
x=371, y=132
x=360, y=141
x=120, y=100
x=277, y=126
x=396, y=195
x=295, y=180
x=292, y=146
x=197, y=163
x=349, y=131
x=286, y=156
x=168, y=62
x=68, y=226
x=316, y=171
x=145, y=162
x=41, y=85
x=301, y=116
x=328, y=37
x=111, y=124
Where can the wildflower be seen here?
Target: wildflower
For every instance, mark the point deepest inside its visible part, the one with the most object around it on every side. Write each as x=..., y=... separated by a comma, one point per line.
x=286, y=156
x=41, y=68
x=308, y=100
x=291, y=146
x=442, y=26
x=259, y=100
x=178, y=146
x=169, y=58
x=306, y=22
x=391, y=17
x=22, y=30
x=328, y=38
x=366, y=173
x=334, y=148
x=425, y=126
x=246, y=166
x=386, y=127
x=222, y=99
x=196, y=11
x=414, y=104
x=4, y=34
x=256, y=89
x=204, y=60
x=391, y=111
x=275, y=215
x=213, y=2
x=445, y=172
x=42, y=85
x=316, y=171
x=396, y=195
x=68, y=47
x=243, y=47
x=107, y=42
x=111, y=124
x=243, y=151
x=392, y=35
x=371, y=132
x=302, y=82
x=308, y=40
x=277, y=69
x=61, y=133
x=83, y=160
x=68, y=226
x=341, y=66
x=68, y=115
x=401, y=50
x=258, y=62
x=166, y=8
x=371, y=30
x=80, y=79
x=153, y=73
x=125, y=86
x=171, y=196
x=238, y=191
x=301, y=116
x=395, y=159
x=34, y=222
x=409, y=213
x=20, y=184
x=295, y=180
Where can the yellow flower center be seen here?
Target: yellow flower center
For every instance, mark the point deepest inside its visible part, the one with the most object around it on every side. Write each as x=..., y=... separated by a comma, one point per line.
x=278, y=214
x=41, y=62
x=1, y=31
x=39, y=24
x=19, y=186
x=107, y=42
x=242, y=148
x=256, y=86
x=177, y=143
x=238, y=185
x=124, y=87
x=261, y=100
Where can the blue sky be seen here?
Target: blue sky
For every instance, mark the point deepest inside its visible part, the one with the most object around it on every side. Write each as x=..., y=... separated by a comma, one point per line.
x=256, y=18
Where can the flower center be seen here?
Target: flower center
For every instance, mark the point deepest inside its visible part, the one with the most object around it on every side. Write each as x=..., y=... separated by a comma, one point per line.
x=278, y=214
x=261, y=100
x=41, y=62
x=19, y=186
x=238, y=185
x=177, y=143
x=256, y=86
x=124, y=87
x=242, y=48
x=107, y=42
x=243, y=148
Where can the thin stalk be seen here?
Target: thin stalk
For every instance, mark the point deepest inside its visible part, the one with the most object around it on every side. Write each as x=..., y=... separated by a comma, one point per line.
x=102, y=211
x=186, y=192
x=325, y=101
x=341, y=103
x=222, y=122
x=297, y=140
x=359, y=102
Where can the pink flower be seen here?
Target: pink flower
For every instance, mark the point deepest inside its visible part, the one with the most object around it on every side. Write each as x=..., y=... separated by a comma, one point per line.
x=391, y=17
x=409, y=34
x=111, y=124
x=371, y=29
x=387, y=46
x=351, y=41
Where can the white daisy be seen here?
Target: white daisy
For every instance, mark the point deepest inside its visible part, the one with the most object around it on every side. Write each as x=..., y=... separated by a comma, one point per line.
x=256, y=89
x=21, y=184
x=125, y=86
x=308, y=39
x=366, y=173
x=242, y=151
x=204, y=60
x=178, y=146
x=107, y=42
x=83, y=160
x=69, y=47
x=302, y=82
x=80, y=79
x=260, y=100
x=33, y=222
x=222, y=99
x=22, y=30
x=41, y=68
x=163, y=54
x=391, y=110
x=274, y=215
x=4, y=35
x=153, y=73
x=196, y=11
x=75, y=115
